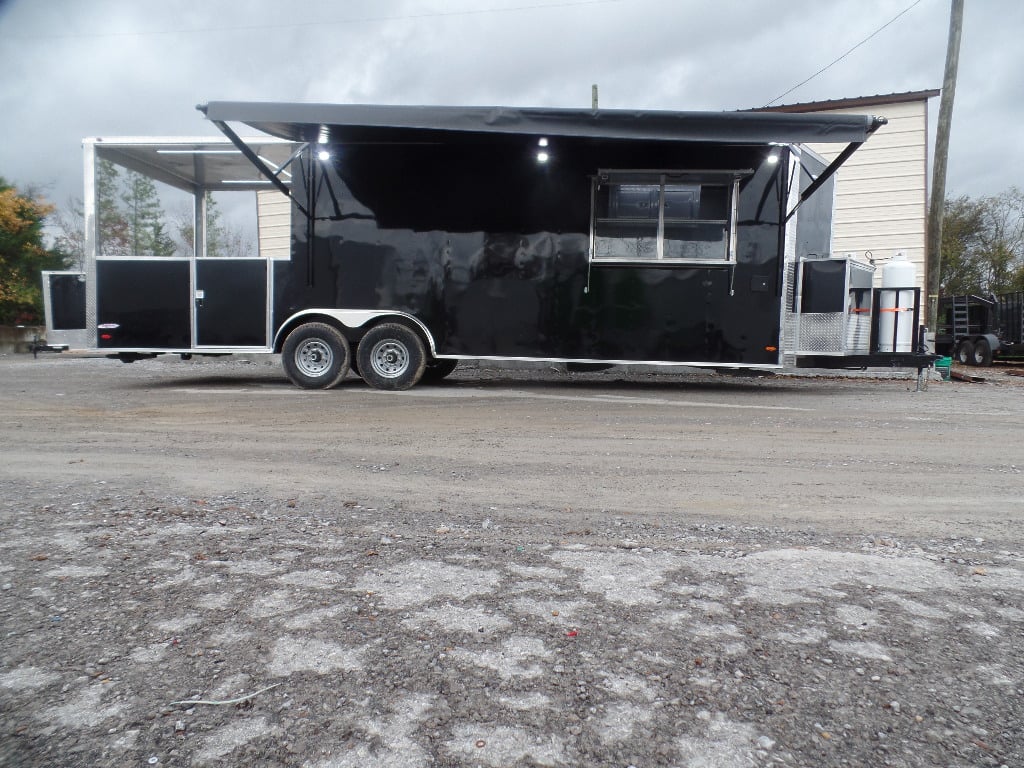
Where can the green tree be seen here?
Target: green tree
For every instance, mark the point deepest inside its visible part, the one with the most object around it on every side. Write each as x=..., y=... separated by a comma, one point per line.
x=70, y=223
x=221, y=239
x=214, y=228
x=962, y=269
x=23, y=255
x=144, y=215
x=114, y=237
x=983, y=244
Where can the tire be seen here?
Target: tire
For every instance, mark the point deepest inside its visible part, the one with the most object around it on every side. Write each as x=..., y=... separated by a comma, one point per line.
x=982, y=352
x=391, y=356
x=437, y=370
x=316, y=356
x=965, y=353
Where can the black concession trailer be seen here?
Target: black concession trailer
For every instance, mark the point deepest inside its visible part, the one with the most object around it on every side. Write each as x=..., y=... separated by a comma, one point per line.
x=422, y=236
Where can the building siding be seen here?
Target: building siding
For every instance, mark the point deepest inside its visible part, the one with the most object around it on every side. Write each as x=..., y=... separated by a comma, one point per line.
x=274, y=213
x=881, y=191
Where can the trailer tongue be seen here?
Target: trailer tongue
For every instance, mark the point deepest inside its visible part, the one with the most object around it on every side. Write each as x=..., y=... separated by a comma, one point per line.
x=422, y=236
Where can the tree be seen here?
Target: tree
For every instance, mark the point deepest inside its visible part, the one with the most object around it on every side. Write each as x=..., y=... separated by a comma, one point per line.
x=962, y=269
x=983, y=244
x=221, y=239
x=23, y=255
x=114, y=238
x=144, y=216
x=70, y=222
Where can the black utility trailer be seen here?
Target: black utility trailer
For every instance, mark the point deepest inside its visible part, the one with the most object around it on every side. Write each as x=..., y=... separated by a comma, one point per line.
x=975, y=330
x=422, y=236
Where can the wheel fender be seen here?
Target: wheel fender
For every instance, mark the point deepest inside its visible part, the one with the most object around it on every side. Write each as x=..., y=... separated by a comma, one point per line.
x=993, y=342
x=353, y=318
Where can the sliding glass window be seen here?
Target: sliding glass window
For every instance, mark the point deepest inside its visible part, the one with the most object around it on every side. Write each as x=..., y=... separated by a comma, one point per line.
x=664, y=216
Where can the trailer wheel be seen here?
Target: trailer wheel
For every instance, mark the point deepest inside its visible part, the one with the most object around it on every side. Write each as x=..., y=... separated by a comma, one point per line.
x=982, y=352
x=965, y=353
x=391, y=356
x=437, y=370
x=316, y=356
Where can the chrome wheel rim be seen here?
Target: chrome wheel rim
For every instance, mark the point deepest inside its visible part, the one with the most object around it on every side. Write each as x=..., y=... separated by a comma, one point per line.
x=314, y=357
x=389, y=359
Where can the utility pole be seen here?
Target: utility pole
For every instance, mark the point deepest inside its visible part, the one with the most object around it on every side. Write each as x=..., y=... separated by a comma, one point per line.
x=938, y=201
x=593, y=97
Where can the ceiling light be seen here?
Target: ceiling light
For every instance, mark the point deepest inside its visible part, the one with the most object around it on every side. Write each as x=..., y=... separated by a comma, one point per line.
x=198, y=152
x=543, y=157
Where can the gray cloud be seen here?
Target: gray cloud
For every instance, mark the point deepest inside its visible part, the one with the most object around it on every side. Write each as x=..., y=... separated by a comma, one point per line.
x=139, y=67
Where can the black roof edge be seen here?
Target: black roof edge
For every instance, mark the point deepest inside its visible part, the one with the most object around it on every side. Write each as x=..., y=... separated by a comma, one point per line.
x=340, y=122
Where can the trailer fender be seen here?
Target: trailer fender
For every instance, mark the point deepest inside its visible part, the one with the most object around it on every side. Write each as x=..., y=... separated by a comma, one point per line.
x=351, y=319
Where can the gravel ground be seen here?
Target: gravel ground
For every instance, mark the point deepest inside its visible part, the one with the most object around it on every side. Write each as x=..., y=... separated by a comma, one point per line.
x=203, y=566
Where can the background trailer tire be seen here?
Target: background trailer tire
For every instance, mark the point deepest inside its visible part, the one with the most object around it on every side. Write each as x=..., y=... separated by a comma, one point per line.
x=316, y=356
x=965, y=353
x=982, y=352
x=391, y=356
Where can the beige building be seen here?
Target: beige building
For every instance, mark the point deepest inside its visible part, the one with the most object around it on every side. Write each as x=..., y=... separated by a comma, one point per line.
x=274, y=213
x=881, y=201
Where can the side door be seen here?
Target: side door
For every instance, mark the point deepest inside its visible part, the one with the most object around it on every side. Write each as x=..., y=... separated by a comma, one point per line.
x=231, y=302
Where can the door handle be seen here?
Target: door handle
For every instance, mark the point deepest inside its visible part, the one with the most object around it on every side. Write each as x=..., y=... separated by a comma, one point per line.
x=200, y=295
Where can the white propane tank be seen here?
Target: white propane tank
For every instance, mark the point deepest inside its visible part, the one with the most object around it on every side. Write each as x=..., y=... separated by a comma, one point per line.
x=896, y=307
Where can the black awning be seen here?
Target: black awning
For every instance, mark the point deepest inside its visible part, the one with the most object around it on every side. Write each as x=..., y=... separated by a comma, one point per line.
x=361, y=122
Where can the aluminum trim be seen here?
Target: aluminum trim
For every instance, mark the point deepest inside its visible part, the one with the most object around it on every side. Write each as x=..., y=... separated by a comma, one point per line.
x=90, y=246
x=599, y=361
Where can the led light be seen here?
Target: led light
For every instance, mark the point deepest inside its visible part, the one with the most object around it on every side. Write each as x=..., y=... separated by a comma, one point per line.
x=324, y=155
x=198, y=152
x=543, y=157
x=542, y=142
x=322, y=137
x=773, y=157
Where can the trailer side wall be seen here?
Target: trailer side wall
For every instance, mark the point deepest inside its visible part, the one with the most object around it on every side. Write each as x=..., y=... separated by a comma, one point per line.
x=490, y=249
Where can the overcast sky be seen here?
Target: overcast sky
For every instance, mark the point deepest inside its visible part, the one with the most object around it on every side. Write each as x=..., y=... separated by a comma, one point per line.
x=78, y=68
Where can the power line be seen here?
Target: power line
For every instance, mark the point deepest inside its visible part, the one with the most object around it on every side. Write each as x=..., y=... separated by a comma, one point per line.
x=858, y=45
x=320, y=22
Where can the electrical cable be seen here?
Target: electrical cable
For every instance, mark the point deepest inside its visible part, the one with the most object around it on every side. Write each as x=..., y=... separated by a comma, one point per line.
x=858, y=45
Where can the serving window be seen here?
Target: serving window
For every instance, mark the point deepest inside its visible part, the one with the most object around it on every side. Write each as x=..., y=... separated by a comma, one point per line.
x=664, y=216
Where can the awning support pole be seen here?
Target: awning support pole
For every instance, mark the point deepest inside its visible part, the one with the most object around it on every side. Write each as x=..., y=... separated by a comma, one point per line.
x=261, y=166
x=829, y=172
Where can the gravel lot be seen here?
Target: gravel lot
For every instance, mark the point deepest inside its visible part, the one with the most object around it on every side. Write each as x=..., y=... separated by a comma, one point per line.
x=202, y=565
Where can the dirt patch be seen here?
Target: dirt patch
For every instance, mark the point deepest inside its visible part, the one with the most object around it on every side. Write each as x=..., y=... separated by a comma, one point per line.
x=205, y=567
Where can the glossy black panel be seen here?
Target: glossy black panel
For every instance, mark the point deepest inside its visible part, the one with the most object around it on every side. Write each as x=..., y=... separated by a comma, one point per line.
x=67, y=302
x=489, y=248
x=146, y=303
x=233, y=311
x=814, y=223
x=823, y=286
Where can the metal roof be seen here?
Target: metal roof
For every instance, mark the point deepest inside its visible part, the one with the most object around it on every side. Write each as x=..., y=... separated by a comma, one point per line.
x=362, y=122
x=854, y=102
x=194, y=164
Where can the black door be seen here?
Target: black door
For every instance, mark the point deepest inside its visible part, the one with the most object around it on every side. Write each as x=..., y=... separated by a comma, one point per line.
x=231, y=302
x=143, y=303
